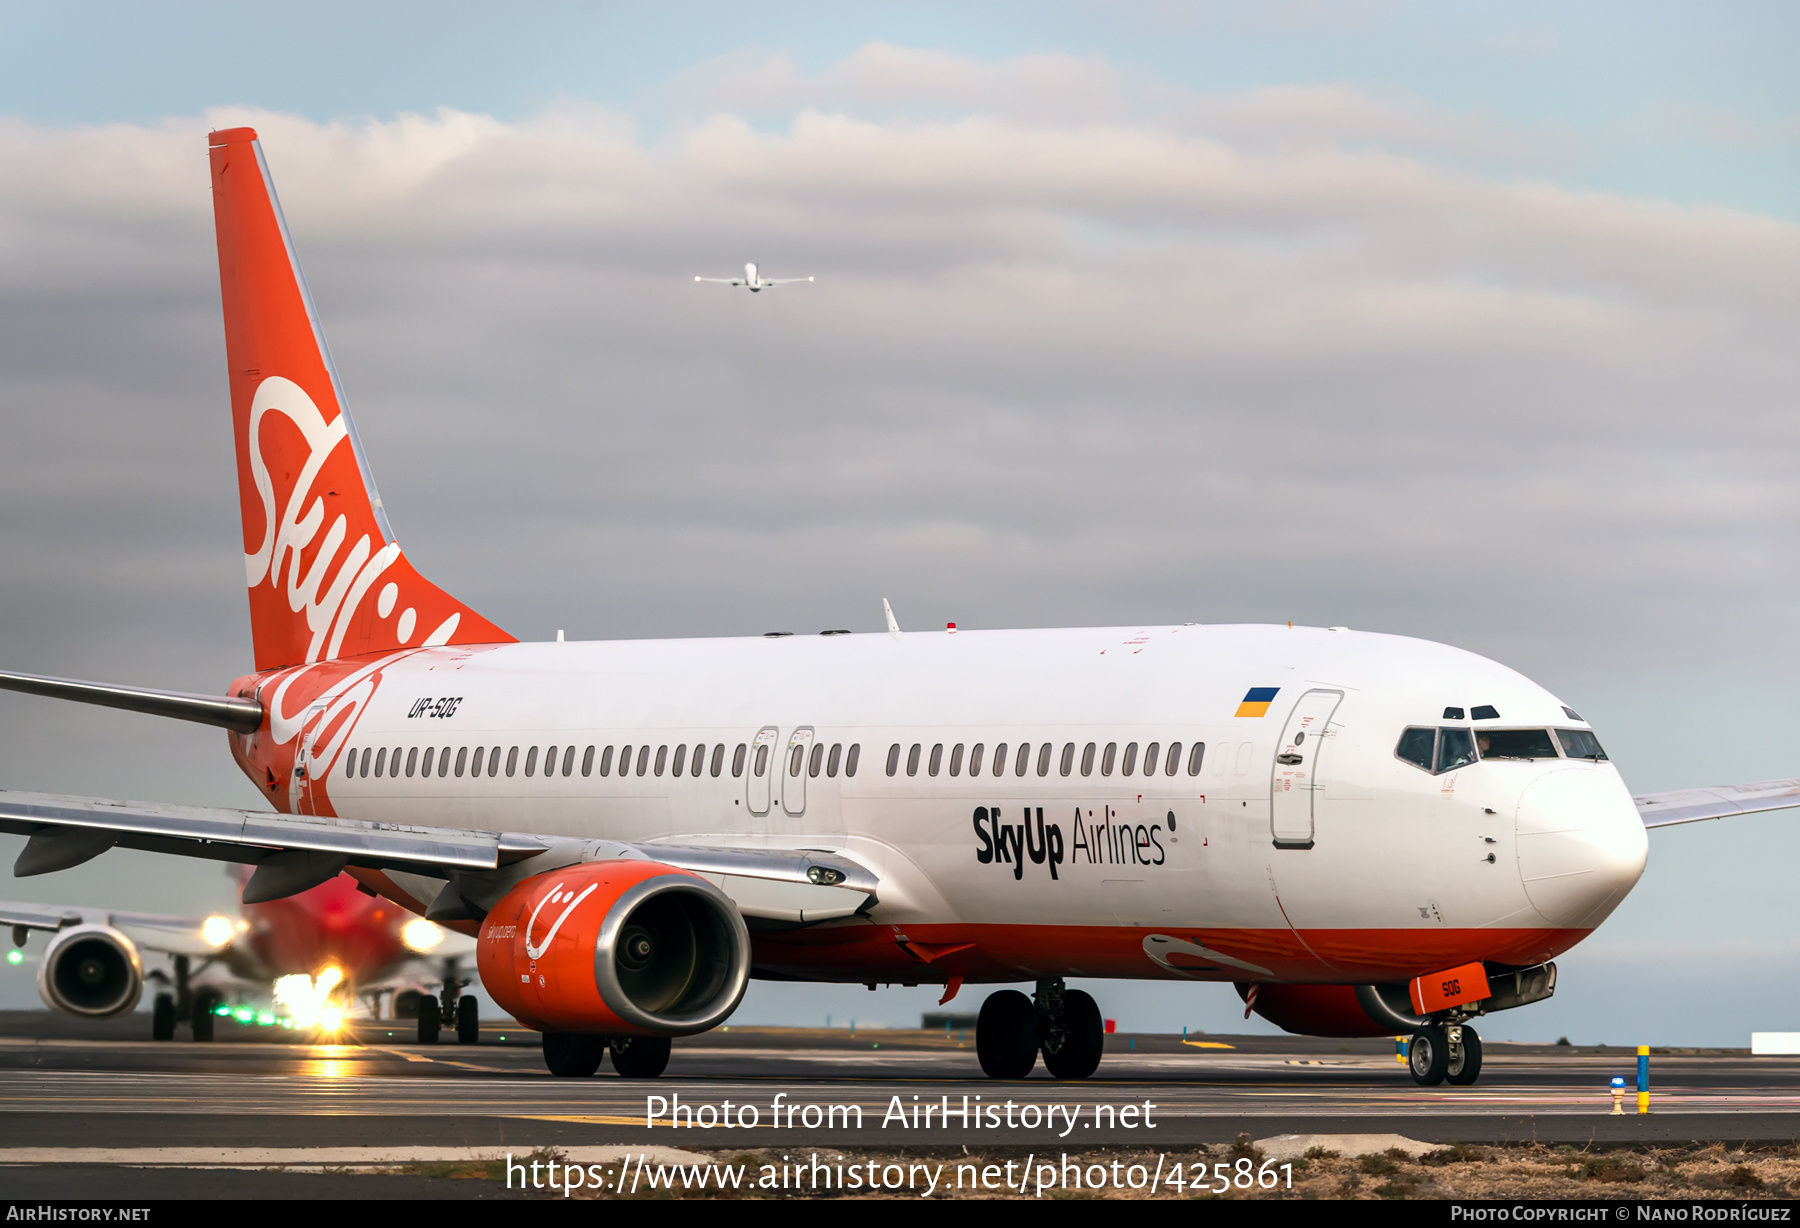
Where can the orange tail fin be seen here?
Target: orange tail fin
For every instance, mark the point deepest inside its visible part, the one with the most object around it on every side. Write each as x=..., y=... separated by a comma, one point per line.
x=326, y=577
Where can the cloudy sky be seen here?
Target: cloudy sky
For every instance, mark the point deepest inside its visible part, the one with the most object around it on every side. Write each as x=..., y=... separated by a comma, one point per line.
x=1469, y=322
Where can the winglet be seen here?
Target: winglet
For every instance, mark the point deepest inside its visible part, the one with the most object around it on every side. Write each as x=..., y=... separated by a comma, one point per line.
x=889, y=611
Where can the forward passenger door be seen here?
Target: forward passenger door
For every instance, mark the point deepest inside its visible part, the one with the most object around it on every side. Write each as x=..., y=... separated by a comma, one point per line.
x=1295, y=785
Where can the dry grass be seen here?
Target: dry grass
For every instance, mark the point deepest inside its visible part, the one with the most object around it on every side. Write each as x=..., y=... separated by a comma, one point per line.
x=1460, y=1171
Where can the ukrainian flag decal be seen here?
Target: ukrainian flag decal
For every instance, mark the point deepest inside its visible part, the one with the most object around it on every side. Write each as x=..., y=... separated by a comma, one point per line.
x=1257, y=700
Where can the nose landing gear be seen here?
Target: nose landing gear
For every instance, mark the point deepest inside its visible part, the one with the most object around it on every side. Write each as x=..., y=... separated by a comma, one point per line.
x=1444, y=1053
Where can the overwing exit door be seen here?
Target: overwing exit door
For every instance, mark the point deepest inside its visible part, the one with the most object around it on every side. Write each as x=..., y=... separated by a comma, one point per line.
x=760, y=772
x=1295, y=786
x=793, y=767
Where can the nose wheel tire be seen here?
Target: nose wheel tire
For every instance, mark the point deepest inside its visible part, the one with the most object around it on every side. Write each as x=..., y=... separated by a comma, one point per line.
x=573, y=1055
x=202, y=1018
x=162, y=1018
x=1464, y=1066
x=1428, y=1056
x=640, y=1057
x=431, y=1020
x=1006, y=1035
x=1077, y=1052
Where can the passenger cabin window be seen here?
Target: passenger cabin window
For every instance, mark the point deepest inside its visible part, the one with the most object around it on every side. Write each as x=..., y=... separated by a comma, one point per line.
x=975, y=759
x=956, y=758
x=737, y=761
x=762, y=758
x=718, y=762
x=350, y=766
x=462, y=754
x=444, y=762
x=831, y=761
x=893, y=763
x=512, y=759
x=796, y=760
x=1024, y=758
x=1172, y=760
x=1068, y=758
x=494, y=761
x=662, y=759
x=937, y=758
x=587, y=762
x=643, y=763
x=1106, y=758
x=817, y=760
x=365, y=761
x=425, y=768
x=1150, y=753
x=1580, y=744
x=1516, y=744
x=412, y=761
x=1130, y=759
x=1195, y=757
x=851, y=758
x=1044, y=753
x=1087, y=759
x=699, y=759
x=912, y=760
x=680, y=761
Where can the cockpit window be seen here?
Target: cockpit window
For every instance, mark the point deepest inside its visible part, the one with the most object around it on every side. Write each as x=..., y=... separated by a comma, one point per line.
x=1517, y=744
x=1456, y=748
x=1417, y=747
x=1580, y=744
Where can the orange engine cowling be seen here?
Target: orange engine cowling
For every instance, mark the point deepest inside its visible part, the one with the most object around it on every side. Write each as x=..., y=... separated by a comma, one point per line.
x=617, y=948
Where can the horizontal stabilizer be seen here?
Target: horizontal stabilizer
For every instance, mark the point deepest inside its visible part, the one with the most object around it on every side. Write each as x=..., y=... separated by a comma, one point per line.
x=237, y=715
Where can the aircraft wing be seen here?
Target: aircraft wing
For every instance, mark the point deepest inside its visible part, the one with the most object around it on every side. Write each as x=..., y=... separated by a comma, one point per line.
x=295, y=852
x=1724, y=801
x=725, y=281
x=154, y=931
x=783, y=281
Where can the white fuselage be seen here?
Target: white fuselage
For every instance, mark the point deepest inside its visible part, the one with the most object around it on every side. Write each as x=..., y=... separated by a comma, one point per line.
x=1349, y=865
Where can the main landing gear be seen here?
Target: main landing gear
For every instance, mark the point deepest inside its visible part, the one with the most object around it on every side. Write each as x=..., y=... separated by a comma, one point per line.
x=1062, y=1024
x=1444, y=1053
x=576, y=1055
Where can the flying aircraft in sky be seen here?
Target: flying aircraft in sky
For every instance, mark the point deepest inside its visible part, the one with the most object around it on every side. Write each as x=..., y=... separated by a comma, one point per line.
x=1363, y=833
x=316, y=954
x=754, y=281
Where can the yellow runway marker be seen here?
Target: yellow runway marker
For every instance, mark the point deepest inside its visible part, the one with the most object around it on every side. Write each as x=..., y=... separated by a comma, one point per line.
x=1208, y=1044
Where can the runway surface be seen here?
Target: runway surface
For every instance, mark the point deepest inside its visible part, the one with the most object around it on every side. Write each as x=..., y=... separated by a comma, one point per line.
x=65, y=1085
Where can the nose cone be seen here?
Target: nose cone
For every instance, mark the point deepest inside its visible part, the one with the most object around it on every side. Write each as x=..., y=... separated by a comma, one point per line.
x=1581, y=845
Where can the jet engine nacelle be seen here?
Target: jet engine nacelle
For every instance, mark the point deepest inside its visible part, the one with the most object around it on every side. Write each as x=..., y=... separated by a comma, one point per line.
x=616, y=948
x=92, y=971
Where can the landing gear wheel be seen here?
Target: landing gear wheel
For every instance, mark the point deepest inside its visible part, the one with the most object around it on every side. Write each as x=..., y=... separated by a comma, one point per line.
x=202, y=1018
x=573, y=1055
x=1083, y=1038
x=162, y=1017
x=468, y=1021
x=640, y=1057
x=1464, y=1065
x=1428, y=1056
x=431, y=1020
x=1006, y=1035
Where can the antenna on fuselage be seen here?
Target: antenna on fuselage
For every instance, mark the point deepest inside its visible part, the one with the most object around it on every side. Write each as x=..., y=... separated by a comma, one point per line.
x=887, y=609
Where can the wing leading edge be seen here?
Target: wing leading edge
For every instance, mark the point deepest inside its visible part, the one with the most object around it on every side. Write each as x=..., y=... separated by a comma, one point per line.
x=1720, y=802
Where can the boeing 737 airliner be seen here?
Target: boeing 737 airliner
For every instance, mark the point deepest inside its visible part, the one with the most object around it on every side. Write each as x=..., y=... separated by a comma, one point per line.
x=1364, y=833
